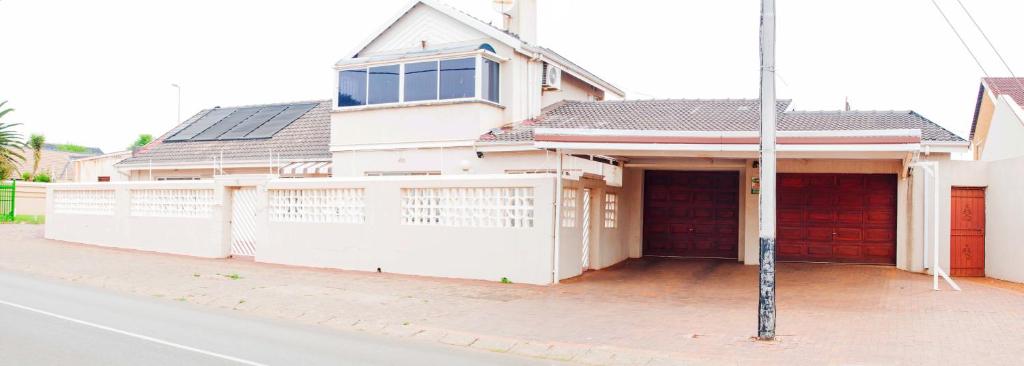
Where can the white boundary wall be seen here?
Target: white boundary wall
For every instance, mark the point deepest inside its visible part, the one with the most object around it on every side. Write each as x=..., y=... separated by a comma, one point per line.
x=104, y=214
x=476, y=227
x=388, y=239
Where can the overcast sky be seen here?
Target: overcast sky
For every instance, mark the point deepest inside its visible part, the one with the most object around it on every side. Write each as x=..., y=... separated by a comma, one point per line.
x=99, y=72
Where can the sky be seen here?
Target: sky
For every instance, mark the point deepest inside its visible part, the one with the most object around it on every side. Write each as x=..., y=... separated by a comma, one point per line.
x=99, y=72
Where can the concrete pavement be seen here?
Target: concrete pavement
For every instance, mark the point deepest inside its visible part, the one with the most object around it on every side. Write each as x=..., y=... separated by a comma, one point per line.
x=643, y=312
x=50, y=323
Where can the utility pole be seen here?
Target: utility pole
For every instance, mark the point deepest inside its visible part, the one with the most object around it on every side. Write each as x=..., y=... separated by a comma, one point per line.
x=766, y=227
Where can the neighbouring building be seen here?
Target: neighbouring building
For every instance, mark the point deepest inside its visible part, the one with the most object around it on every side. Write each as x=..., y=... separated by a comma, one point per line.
x=100, y=168
x=998, y=126
x=456, y=148
x=57, y=160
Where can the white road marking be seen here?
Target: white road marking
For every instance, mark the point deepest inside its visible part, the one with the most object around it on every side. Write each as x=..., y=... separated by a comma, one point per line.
x=135, y=335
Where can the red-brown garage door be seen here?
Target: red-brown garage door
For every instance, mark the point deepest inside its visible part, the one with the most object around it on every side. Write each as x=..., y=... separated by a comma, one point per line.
x=849, y=218
x=691, y=214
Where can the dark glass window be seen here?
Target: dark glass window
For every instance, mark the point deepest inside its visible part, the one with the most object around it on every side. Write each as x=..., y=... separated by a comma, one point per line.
x=421, y=81
x=383, y=84
x=489, y=81
x=457, y=78
x=352, y=88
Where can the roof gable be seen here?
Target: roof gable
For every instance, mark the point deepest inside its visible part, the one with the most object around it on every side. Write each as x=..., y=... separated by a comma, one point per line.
x=446, y=25
x=440, y=24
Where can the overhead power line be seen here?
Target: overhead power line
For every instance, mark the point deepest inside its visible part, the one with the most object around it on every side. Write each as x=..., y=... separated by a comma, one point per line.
x=961, y=38
x=991, y=45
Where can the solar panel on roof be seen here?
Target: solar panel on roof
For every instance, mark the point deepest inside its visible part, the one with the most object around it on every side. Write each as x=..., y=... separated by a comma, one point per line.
x=226, y=124
x=251, y=123
x=200, y=125
x=280, y=121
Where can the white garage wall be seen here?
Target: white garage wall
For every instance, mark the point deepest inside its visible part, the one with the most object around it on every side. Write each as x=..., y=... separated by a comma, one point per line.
x=1004, y=208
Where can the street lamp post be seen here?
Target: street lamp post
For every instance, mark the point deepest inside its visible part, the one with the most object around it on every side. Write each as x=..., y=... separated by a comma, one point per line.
x=176, y=86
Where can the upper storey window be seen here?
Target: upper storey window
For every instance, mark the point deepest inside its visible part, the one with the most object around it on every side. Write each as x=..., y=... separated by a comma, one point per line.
x=383, y=84
x=457, y=78
x=467, y=78
x=352, y=90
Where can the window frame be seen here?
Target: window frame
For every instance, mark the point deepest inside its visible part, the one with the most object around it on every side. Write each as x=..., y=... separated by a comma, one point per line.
x=479, y=73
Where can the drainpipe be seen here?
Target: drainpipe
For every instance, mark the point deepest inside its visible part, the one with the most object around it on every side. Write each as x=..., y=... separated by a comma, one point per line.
x=558, y=219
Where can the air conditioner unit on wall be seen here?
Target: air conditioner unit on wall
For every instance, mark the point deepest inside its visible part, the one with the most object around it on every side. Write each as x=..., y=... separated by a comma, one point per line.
x=552, y=77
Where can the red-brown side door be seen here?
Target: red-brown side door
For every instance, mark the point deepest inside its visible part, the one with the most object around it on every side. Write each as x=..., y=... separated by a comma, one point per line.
x=967, y=232
x=691, y=214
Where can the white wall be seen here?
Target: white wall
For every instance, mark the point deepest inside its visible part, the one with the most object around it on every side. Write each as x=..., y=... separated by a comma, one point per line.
x=89, y=170
x=435, y=122
x=454, y=160
x=1004, y=207
x=194, y=236
x=30, y=198
x=521, y=254
x=1006, y=131
x=608, y=246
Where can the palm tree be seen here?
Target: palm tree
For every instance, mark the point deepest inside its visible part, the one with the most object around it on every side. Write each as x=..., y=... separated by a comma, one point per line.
x=11, y=145
x=36, y=143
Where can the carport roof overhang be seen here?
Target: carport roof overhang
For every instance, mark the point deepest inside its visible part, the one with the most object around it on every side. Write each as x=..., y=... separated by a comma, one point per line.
x=846, y=144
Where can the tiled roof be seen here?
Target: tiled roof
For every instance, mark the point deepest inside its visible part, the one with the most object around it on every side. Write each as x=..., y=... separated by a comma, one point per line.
x=710, y=115
x=1007, y=86
x=308, y=137
x=865, y=120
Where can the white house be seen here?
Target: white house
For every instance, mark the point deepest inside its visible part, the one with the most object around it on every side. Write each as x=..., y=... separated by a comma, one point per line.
x=456, y=148
x=998, y=126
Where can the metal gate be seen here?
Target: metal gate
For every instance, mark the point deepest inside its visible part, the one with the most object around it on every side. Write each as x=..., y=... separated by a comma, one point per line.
x=586, y=229
x=243, y=222
x=6, y=201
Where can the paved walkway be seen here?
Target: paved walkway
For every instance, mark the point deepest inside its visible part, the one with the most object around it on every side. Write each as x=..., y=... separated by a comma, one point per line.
x=643, y=312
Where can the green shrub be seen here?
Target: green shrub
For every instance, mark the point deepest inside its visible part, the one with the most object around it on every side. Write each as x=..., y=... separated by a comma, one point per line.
x=42, y=178
x=72, y=148
x=26, y=176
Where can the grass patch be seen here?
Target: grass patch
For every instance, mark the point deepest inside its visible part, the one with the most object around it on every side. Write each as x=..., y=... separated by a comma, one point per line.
x=233, y=276
x=26, y=219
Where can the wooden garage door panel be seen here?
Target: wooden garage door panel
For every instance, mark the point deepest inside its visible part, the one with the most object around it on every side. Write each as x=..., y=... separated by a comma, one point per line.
x=790, y=215
x=849, y=217
x=691, y=214
x=837, y=218
x=821, y=215
x=790, y=233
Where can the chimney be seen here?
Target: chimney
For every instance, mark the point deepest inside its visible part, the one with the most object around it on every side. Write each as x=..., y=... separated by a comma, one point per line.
x=521, y=20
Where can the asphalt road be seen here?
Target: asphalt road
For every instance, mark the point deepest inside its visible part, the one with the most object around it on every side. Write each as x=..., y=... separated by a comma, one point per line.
x=43, y=322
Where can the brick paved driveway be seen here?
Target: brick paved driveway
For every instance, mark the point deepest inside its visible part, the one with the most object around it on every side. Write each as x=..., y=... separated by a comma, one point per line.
x=645, y=311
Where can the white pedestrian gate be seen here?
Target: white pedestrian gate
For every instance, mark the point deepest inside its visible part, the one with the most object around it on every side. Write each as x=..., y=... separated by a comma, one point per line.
x=586, y=229
x=243, y=222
